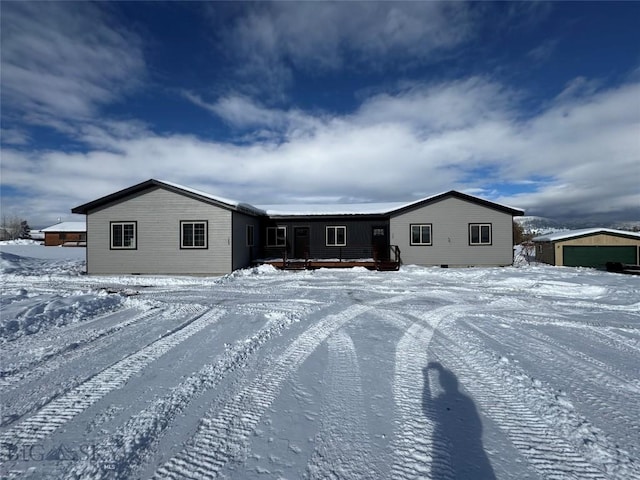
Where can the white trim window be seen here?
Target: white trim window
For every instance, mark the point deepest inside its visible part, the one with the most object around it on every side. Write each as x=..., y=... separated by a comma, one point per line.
x=276, y=236
x=421, y=234
x=123, y=235
x=193, y=234
x=250, y=237
x=336, y=236
x=479, y=234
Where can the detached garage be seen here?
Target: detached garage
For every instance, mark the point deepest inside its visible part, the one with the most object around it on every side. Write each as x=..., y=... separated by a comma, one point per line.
x=592, y=247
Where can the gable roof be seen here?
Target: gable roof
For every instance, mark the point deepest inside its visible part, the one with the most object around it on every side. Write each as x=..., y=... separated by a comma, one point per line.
x=389, y=208
x=585, y=232
x=66, y=227
x=461, y=196
x=173, y=187
x=297, y=210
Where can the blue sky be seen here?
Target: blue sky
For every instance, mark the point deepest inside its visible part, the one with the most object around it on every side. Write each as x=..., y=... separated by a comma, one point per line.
x=536, y=105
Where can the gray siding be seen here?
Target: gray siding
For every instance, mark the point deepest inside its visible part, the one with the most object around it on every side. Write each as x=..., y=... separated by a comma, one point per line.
x=243, y=255
x=158, y=213
x=450, y=219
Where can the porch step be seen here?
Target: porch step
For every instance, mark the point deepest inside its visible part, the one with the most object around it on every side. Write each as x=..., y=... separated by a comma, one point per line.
x=388, y=266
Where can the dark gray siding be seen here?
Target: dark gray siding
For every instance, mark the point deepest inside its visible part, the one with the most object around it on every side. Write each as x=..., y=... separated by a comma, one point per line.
x=243, y=254
x=359, y=239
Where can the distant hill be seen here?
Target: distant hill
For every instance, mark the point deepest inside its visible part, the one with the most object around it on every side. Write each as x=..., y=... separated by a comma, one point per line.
x=541, y=225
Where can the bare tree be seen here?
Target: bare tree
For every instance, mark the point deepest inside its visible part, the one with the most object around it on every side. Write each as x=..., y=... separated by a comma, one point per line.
x=13, y=227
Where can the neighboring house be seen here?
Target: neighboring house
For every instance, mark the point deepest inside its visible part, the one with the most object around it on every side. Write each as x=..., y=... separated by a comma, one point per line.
x=592, y=247
x=69, y=234
x=161, y=227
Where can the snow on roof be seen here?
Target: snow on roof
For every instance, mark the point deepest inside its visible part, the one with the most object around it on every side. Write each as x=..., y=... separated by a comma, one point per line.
x=330, y=209
x=357, y=208
x=216, y=198
x=552, y=237
x=340, y=209
x=66, y=227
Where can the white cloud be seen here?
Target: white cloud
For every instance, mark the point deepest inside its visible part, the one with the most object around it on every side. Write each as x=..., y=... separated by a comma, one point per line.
x=64, y=59
x=14, y=136
x=581, y=155
x=271, y=39
x=544, y=51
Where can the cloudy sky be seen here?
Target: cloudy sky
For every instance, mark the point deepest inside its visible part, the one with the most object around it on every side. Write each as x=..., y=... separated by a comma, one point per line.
x=536, y=105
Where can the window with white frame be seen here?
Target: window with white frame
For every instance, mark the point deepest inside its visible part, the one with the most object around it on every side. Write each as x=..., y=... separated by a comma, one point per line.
x=336, y=236
x=421, y=234
x=479, y=234
x=193, y=234
x=250, y=237
x=123, y=235
x=276, y=236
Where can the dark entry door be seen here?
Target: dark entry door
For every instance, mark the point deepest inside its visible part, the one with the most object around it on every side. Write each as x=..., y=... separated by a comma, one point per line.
x=301, y=242
x=380, y=242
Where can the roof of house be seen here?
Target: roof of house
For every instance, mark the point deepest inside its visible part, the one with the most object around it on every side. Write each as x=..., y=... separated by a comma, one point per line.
x=66, y=227
x=585, y=232
x=190, y=192
x=298, y=210
x=388, y=208
x=309, y=210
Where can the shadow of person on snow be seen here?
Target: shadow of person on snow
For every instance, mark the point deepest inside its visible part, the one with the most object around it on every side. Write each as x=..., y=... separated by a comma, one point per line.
x=457, y=437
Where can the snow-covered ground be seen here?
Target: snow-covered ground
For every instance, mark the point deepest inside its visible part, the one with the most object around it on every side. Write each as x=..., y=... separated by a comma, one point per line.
x=505, y=373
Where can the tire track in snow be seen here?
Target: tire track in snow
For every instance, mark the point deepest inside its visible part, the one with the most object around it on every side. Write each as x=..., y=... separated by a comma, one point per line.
x=616, y=340
x=539, y=439
x=128, y=444
x=223, y=435
x=596, y=367
x=72, y=348
x=62, y=409
x=539, y=345
x=342, y=445
x=417, y=452
x=19, y=402
x=590, y=372
x=588, y=376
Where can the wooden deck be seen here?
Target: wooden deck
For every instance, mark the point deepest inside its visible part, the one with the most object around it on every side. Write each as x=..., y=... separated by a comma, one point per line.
x=370, y=264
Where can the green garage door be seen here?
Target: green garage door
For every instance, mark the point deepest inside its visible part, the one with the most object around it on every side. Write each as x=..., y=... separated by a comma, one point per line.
x=597, y=256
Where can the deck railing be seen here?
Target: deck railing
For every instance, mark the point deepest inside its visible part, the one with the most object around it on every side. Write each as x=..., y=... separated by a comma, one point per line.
x=350, y=254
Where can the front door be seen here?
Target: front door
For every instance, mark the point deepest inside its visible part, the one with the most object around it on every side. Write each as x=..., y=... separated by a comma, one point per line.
x=301, y=242
x=380, y=242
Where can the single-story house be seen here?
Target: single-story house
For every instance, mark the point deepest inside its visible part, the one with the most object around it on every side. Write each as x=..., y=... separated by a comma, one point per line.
x=592, y=247
x=159, y=227
x=66, y=234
